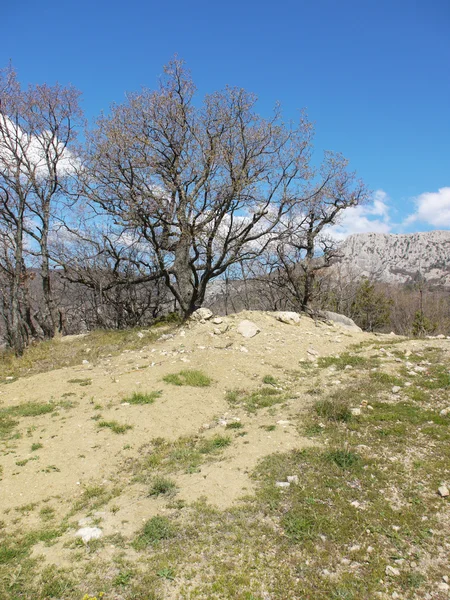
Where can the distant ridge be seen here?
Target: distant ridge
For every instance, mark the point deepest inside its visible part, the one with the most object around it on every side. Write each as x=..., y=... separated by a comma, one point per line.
x=399, y=258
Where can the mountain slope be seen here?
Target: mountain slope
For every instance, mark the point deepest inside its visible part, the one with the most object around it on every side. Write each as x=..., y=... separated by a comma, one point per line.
x=399, y=258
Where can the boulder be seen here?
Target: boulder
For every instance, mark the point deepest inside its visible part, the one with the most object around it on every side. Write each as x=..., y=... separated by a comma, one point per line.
x=288, y=317
x=248, y=329
x=341, y=320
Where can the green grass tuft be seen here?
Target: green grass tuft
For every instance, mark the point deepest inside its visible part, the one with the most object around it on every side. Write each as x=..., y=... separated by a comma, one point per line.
x=190, y=377
x=115, y=426
x=162, y=486
x=143, y=398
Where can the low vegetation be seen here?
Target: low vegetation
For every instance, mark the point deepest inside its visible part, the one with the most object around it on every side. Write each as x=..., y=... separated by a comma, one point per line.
x=189, y=377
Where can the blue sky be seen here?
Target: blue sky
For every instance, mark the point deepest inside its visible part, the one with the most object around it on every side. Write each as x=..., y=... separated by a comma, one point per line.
x=373, y=75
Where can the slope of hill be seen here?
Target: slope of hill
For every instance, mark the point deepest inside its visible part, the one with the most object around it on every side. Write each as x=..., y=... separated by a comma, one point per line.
x=235, y=457
x=399, y=258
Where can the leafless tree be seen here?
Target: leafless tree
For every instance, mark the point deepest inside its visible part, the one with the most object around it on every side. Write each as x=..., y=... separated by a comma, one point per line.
x=204, y=186
x=37, y=128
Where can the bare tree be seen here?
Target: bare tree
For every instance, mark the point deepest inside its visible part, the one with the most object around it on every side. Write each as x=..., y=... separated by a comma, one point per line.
x=204, y=186
x=37, y=127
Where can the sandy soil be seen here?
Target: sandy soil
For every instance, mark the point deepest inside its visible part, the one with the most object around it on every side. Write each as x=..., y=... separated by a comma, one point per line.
x=76, y=453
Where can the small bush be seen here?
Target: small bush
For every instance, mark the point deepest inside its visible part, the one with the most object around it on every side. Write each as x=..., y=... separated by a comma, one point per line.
x=269, y=380
x=234, y=425
x=190, y=377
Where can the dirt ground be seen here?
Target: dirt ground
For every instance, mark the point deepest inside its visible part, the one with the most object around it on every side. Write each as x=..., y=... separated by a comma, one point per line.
x=76, y=453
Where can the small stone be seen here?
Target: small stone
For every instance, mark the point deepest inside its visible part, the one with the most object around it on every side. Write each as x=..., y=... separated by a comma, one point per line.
x=369, y=407
x=408, y=384
x=85, y=362
x=292, y=478
x=355, y=411
x=248, y=329
x=396, y=389
x=89, y=533
x=243, y=349
x=396, y=527
x=392, y=571
x=165, y=337
x=290, y=318
x=443, y=587
x=443, y=491
x=445, y=578
x=355, y=503
x=444, y=412
x=355, y=548
x=312, y=352
x=217, y=320
x=140, y=335
x=282, y=484
x=348, y=367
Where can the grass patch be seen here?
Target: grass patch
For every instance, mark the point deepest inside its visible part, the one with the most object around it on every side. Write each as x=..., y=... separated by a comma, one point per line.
x=269, y=380
x=143, y=398
x=335, y=410
x=36, y=446
x=214, y=444
x=154, y=531
x=114, y=426
x=162, y=486
x=189, y=377
x=82, y=382
x=261, y=398
x=347, y=359
x=234, y=425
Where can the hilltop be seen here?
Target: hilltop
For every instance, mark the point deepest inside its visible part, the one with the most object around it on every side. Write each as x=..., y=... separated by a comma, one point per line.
x=241, y=457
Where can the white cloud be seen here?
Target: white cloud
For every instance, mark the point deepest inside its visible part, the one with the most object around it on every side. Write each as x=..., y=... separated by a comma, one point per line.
x=373, y=217
x=432, y=208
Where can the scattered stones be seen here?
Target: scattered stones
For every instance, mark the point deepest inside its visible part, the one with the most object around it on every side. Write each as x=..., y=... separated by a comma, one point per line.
x=392, y=571
x=89, y=533
x=248, y=329
x=165, y=337
x=290, y=318
x=443, y=491
x=201, y=314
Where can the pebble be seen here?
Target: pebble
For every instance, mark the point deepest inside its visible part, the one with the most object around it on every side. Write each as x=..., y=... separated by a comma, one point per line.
x=396, y=389
x=292, y=478
x=443, y=491
x=282, y=484
x=355, y=411
x=443, y=587
x=392, y=571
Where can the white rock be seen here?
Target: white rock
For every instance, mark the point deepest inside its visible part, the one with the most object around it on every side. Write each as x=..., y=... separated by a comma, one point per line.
x=140, y=335
x=217, y=320
x=282, y=484
x=201, y=313
x=443, y=587
x=89, y=533
x=445, y=578
x=85, y=362
x=243, y=349
x=290, y=318
x=292, y=478
x=396, y=389
x=312, y=352
x=248, y=329
x=444, y=412
x=443, y=491
x=355, y=411
x=392, y=571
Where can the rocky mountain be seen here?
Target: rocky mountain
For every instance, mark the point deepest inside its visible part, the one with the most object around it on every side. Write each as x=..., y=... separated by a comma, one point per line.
x=399, y=258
